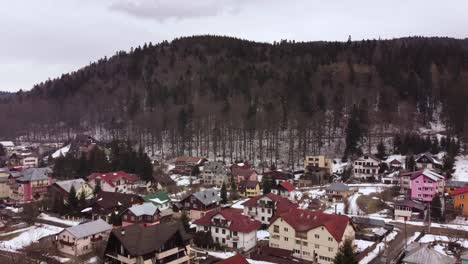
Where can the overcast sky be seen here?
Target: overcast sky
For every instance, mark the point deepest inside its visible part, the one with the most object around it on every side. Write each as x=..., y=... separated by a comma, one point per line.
x=42, y=39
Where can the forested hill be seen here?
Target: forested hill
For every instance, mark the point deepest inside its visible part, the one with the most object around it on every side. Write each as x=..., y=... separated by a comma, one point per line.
x=216, y=94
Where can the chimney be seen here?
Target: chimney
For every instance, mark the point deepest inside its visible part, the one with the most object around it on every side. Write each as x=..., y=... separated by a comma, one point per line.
x=122, y=232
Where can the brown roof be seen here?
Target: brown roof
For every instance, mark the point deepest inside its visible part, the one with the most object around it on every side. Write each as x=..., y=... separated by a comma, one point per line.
x=236, y=259
x=139, y=240
x=238, y=221
x=109, y=200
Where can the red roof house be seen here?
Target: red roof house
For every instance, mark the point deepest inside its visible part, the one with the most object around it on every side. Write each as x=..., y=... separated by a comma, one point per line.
x=118, y=181
x=264, y=207
x=230, y=228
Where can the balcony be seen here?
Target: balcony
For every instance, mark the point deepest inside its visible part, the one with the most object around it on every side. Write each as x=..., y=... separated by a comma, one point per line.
x=66, y=243
x=96, y=239
x=122, y=258
x=169, y=252
x=219, y=224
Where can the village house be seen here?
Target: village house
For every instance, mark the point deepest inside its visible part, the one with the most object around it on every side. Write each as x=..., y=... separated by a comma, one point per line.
x=200, y=203
x=263, y=208
x=284, y=189
x=310, y=235
x=460, y=200
x=314, y=176
x=405, y=183
x=408, y=210
x=417, y=253
x=319, y=162
x=82, y=239
x=425, y=184
x=427, y=161
x=243, y=171
x=228, y=227
x=30, y=161
x=249, y=188
x=366, y=167
x=8, y=145
x=62, y=188
x=337, y=191
x=31, y=185
x=4, y=186
x=395, y=164
x=160, y=199
x=451, y=186
x=107, y=203
x=118, y=181
x=215, y=173
x=185, y=164
x=136, y=244
x=145, y=214
x=279, y=176
x=14, y=160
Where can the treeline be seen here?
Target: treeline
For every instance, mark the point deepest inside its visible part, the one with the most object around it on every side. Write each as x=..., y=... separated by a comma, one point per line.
x=235, y=99
x=411, y=143
x=121, y=157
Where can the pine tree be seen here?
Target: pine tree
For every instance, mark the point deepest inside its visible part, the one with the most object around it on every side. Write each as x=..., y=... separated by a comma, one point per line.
x=410, y=163
x=234, y=193
x=72, y=200
x=381, y=150
x=266, y=185
x=436, y=208
x=83, y=169
x=345, y=254
x=353, y=133
x=185, y=220
x=224, y=198
x=97, y=188
x=82, y=200
x=448, y=164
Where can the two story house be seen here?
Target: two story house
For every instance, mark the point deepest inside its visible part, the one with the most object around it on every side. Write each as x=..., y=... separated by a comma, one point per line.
x=337, y=191
x=215, y=173
x=409, y=210
x=366, y=167
x=105, y=204
x=319, y=161
x=243, y=171
x=230, y=228
x=310, y=235
x=82, y=239
x=263, y=208
x=460, y=200
x=135, y=244
x=62, y=188
x=118, y=181
x=145, y=214
x=199, y=203
x=427, y=161
x=279, y=176
x=31, y=185
x=185, y=164
x=249, y=188
x=284, y=189
x=425, y=184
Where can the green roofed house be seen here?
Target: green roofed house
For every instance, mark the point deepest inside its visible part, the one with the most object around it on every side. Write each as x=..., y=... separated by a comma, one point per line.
x=160, y=199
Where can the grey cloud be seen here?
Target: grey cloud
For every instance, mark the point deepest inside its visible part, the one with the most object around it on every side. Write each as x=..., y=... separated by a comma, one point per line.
x=162, y=10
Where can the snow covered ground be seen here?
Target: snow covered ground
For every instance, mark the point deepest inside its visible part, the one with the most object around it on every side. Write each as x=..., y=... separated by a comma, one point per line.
x=461, y=169
x=262, y=235
x=184, y=180
x=374, y=253
x=225, y=255
x=57, y=220
x=362, y=244
x=427, y=238
x=62, y=151
x=29, y=236
x=238, y=204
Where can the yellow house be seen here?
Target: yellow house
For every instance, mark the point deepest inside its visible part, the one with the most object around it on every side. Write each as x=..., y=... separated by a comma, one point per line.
x=310, y=235
x=249, y=188
x=320, y=161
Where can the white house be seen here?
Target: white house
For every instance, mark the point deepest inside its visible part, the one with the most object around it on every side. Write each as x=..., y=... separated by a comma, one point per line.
x=230, y=228
x=262, y=208
x=81, y=239
x=366, y=166
x=30, y=161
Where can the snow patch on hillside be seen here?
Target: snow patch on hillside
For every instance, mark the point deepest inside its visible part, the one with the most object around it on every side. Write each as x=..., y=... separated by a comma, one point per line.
x=61, y=152
x=461, y=168
x=28, y=237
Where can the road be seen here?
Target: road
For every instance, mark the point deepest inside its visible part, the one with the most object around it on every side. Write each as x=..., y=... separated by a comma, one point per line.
x=396, y=246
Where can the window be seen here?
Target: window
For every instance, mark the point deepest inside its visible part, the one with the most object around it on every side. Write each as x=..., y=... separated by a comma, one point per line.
x=330, y=249
x=216, y=230
x=276, y=229
x=461, y=206
x=304, y=243
x=224, y=241
x=285, y=229
x=316, y=236
x=217, y=239
x=286, y=239
x=462, y=196
x=317, y=246
x=298, y=242
x=297, y=251
x=223, y=231
x=330, y=239
x=234, y=233
x=85, y=247
x=263, y=218
x=305, y=253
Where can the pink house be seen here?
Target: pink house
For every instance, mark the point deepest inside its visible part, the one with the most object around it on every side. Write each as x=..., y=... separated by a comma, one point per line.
x=242, y=172
x=31, y=185
x=425, y=184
